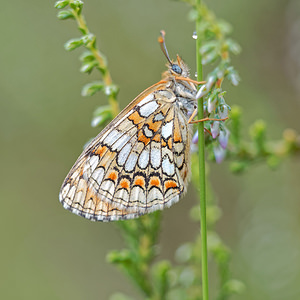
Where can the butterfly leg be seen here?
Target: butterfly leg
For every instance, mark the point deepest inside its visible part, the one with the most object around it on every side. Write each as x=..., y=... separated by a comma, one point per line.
x=207, y=119
x=190, y=80
x=190, y=121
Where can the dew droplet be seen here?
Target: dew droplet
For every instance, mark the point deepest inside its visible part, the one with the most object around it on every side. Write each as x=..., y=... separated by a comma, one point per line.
x=194, y=35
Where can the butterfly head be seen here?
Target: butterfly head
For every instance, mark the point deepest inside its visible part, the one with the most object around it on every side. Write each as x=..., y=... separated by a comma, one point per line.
x=178, y=68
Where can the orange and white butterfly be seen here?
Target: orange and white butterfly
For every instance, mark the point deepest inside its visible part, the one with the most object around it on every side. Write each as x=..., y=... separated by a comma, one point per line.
x=140, y=162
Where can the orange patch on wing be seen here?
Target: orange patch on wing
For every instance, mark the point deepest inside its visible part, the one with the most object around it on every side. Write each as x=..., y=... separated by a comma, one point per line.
x=107, y=158
x=154, y=181
x=170, y=144
x=81, y=171
x=100, y=150
x=156, y=138
x=170, y=184
x=154, y=125
x=135, y=118
x=142, y=138
x=124, y=184
x=113, y=176
x=177, y=135
x=140, y=182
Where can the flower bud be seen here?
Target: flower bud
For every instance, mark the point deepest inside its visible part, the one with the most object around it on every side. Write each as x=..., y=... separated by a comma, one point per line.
x=215, y=129
x=219, y=153
x=223, y=138
x=195, y=138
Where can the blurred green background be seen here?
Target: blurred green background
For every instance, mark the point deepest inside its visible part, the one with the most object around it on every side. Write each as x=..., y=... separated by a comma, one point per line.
x=49, y=253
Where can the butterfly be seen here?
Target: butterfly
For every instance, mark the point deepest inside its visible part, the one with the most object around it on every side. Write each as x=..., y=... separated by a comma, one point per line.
x=140, y=162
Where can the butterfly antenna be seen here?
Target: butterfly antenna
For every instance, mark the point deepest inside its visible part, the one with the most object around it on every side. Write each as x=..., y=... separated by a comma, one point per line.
x=163, y=47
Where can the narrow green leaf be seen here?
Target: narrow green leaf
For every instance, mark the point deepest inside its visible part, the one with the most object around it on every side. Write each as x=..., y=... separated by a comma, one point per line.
x=87, y=56
x=65, y=14
x=101, y=115
x=61, y=4
x=76, y=4
x=117, y=257
x=102, y=119
x=88, y=39
x=88, y=67
x=73, y=44
x=91, y=88
x=111, y=90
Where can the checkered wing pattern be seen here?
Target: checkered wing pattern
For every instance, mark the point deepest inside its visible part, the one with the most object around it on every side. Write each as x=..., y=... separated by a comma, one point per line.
x=138, y=164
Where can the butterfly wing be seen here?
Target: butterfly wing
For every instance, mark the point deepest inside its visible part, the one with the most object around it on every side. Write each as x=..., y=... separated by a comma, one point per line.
x=137, y=164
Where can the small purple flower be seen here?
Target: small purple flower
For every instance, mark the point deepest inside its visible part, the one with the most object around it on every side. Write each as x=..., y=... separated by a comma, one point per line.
x=215, y=129
x=223, y=138
x=219, y=153
x=195, y=138
x=223, y=112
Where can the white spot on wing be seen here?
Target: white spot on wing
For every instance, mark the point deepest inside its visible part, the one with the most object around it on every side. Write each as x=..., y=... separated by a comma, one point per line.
x=168, y=167
x=166, y=130
x=144, y=159
x=120, y=142
x=179, y=160
x=146, y=99
x=112, y=137
x=98, y=175
x=147, y=109
x=137, y=194
x=131, y=162
x=123, y=195
x=123, y=154
x=158, y=117
x=178, y=147
x=148, y=132
x=71, y=192
x=155, y=156
x=109, y=187
x=155, y=195
x=80, y=194
x=64, y=192
x=94, y=160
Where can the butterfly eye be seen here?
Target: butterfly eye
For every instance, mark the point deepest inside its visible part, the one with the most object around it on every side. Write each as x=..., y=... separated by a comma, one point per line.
x=176, y=69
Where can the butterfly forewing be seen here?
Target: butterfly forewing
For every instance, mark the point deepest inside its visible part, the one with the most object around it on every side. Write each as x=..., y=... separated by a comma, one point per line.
x=138, y=164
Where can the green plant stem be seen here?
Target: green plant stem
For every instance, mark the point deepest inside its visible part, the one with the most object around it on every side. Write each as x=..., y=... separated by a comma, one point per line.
x=201, y=147
x=100, y=59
